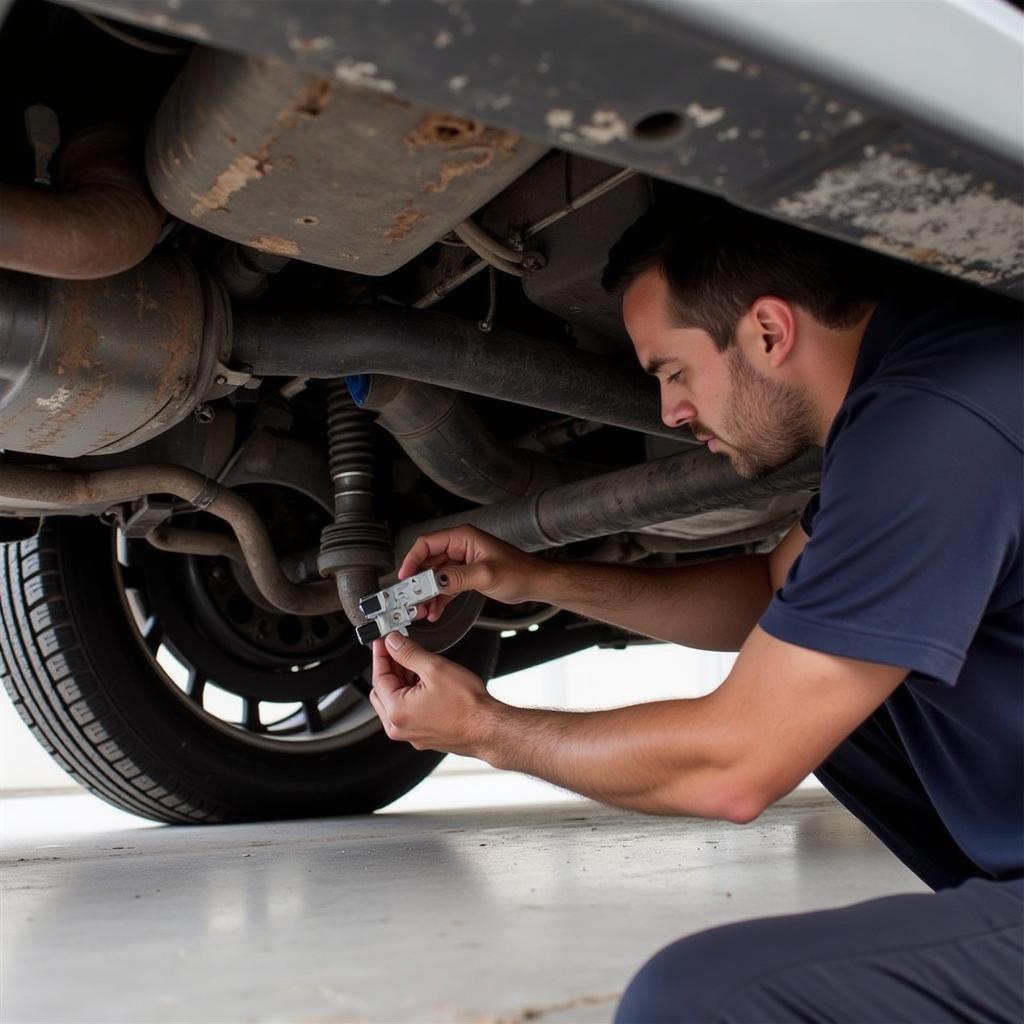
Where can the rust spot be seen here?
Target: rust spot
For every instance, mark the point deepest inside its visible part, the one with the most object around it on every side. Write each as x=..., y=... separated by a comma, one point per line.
x=447, y=130
x=402, y=223
x=392, y=102
x=83, y=399
x=83, y=380
x=452, y=169
x=308, y=103
x=178, y=344
x=274, y=244
x=474, y=146
x=235, y=176
x=313, y=98
x=121, y=349
x=80, y=338
x=285, y=162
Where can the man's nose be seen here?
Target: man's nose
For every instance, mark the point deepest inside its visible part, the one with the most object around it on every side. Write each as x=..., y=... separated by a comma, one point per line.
x=675, y=413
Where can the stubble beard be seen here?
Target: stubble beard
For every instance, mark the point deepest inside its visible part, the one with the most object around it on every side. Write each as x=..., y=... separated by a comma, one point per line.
x=767, y=424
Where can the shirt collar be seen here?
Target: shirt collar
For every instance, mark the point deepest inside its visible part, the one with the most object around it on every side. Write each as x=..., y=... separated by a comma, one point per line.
x=886, y=324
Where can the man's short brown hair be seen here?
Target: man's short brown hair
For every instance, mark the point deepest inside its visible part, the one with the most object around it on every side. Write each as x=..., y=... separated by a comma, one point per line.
x=718, y=260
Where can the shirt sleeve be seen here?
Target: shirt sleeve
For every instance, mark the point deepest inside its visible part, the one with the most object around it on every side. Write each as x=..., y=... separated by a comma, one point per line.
x=919, y=520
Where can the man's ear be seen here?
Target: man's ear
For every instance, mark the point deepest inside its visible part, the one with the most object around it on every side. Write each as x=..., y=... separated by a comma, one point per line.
x=774, y=322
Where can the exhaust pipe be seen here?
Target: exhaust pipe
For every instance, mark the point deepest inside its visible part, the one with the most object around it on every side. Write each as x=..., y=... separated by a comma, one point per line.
x=436, y=348
x=61, y=490
x=102, y=221
x=627, y=499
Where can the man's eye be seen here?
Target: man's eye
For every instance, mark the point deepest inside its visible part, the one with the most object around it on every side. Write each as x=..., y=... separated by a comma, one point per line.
x=674, y=378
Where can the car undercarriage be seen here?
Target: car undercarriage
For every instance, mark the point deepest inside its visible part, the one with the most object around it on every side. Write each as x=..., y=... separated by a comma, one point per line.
x=286, y=285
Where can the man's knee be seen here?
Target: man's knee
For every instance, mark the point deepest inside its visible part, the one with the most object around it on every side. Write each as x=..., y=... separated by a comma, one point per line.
x=686, y=981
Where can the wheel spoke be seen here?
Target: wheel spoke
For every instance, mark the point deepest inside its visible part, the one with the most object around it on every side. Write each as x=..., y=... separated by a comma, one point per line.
x=251, y=715
x=195, y=685
x=152, y=633
x=362, y=686
x=314, y=720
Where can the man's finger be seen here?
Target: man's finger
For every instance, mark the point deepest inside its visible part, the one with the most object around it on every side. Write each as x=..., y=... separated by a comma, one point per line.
x=437, y=606
x=414, y=558
x=407, y=653
x=385, y=680
x=378, y=706
x=429, y=547
x=434, y=548
x=384, y=715
x=454, y=579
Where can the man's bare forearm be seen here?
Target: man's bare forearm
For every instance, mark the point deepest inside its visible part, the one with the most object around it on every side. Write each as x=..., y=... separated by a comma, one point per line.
x=712, y=606
x=672, y=757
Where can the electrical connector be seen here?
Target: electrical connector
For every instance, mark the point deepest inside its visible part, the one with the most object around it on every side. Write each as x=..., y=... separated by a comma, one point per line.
x=395, y=607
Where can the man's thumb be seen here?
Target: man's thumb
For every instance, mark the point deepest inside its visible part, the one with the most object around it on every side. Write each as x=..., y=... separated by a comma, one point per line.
x=454, y=579
x=406, y=651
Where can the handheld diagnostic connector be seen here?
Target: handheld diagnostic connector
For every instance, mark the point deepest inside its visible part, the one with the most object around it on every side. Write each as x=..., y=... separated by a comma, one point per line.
x=395, y=607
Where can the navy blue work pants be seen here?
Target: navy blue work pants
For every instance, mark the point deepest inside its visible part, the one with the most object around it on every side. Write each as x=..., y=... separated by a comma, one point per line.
x=953, y=955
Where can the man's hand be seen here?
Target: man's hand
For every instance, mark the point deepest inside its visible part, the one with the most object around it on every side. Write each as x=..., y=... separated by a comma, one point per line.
x=429, y=701
x=472, y=560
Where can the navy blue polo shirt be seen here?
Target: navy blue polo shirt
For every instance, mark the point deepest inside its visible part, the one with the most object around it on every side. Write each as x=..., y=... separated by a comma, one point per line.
x=914, y=557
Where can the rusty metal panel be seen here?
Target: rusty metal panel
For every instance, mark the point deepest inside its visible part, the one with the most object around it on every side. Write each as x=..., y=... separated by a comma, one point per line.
x=674, y=92
x=98, y=366
x=907, y=202
x=339, y=173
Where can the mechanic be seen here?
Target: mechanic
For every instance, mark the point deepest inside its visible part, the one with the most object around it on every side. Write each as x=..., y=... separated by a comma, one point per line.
x=881, y=644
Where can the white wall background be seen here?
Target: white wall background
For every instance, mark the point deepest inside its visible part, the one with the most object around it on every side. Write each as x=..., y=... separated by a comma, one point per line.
x=588, y=680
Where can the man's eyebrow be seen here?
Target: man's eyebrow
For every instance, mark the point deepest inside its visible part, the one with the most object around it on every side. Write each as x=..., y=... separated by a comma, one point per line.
x=652, y=366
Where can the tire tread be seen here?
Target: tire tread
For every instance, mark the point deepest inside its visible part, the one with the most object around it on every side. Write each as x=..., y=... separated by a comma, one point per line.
x=45, y=670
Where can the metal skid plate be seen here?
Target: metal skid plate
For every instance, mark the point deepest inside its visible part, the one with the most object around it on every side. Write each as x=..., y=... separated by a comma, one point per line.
x=319, y=169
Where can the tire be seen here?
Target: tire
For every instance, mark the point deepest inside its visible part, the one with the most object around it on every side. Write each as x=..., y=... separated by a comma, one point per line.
x=82, y=679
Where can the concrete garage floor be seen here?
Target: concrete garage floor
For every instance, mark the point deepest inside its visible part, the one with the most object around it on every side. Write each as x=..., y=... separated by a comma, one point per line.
x=538, y=907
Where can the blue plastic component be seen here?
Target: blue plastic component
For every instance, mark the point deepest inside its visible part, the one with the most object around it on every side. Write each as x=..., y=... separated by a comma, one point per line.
x=358, y=387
